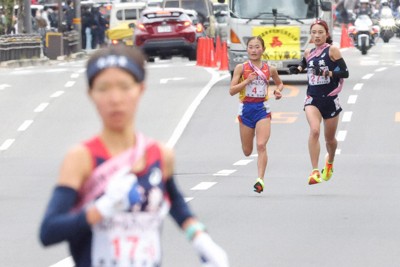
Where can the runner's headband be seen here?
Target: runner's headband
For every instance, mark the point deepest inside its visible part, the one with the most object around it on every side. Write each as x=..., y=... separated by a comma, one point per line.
x=114, y=61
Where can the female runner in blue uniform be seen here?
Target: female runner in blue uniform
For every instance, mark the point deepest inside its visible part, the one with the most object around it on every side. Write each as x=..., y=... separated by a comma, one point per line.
x=115, y=189
x=326, y=70
x=251, y=81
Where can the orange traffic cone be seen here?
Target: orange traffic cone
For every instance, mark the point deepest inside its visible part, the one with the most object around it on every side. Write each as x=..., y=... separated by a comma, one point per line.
x=218, y=51
x=224, y=57
x=345, y=40
x=211, y=55
x=200, y=53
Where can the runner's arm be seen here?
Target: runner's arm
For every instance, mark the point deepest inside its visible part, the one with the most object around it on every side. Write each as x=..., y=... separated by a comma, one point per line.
x=278, y=82
x=336, y=56
x=236, y=85
x=58, y=223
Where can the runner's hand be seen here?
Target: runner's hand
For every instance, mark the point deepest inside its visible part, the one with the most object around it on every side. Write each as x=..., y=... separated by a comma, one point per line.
x=120, y=193
x=210, y=253
x=294, y=70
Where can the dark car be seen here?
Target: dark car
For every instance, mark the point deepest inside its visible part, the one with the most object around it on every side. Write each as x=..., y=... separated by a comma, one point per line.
x=166, y=32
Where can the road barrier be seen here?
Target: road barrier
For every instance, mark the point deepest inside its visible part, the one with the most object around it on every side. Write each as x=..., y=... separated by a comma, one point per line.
x=20, y=46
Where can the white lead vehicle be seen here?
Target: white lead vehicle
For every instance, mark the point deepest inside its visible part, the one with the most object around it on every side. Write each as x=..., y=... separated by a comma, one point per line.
x=284, y=25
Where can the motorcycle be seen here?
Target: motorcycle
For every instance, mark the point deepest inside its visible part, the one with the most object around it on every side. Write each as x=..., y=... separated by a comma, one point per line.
x=363, y=33
x=387, y=24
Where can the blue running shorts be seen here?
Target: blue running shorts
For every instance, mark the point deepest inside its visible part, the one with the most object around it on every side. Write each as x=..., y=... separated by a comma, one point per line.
x=250, y=113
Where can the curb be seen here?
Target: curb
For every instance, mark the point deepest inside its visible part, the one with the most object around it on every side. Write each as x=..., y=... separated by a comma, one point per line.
x=40, y=61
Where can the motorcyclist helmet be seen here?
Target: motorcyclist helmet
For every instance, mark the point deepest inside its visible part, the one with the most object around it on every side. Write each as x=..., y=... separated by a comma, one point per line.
x=384, y=3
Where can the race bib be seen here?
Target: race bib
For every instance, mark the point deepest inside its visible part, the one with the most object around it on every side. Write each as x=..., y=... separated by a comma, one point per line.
x=256, y=88
x=317, y=80
x=127, y=240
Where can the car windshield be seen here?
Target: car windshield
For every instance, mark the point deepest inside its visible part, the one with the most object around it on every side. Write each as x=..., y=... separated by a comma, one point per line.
x=197, y=5
x=292, y=8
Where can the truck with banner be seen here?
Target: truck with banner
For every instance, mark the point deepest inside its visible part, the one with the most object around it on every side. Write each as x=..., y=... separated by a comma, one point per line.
x=284, y=26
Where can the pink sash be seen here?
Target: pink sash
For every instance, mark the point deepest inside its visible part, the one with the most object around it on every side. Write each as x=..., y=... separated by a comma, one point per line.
x=259, y=72
x=317, y=51
x=101, y=175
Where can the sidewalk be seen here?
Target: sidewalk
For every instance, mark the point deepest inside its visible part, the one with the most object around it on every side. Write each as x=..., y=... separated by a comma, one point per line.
x=41, y=61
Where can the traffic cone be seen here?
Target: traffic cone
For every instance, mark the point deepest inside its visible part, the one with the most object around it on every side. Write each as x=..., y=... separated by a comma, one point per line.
x=345, y=40
x=200, y=53
x=212, y=62
x=224, y=57
x=218, y=51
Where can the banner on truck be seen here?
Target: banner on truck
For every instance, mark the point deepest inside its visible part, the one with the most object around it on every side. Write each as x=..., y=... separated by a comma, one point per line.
x=281, y=42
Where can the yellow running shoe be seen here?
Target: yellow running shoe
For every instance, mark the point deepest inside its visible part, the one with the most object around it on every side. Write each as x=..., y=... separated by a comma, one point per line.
x=327, y=171
x=259, y=186
x=315, y=177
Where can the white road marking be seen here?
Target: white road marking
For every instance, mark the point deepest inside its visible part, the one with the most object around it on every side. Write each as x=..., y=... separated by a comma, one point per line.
x=358, y=86
x=352, y=99
x=69, y=84
x=25, y=125
x=57, y=94
x=187, y=199
x=74, y=75
x=381, y=69
x=254, y=155
x=193, y=106
x=341, y=136
x=243, y=162
x=224, y=173
x=203, y=186
x=338, y=151
x=67, y=262
x=347, y=116
x=41, y=107
x=4, y=86
x=6, y=144
x=367, y=76
x=164, y=81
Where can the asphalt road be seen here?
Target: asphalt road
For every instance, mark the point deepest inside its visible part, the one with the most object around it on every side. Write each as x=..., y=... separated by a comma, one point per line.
x=351, y=220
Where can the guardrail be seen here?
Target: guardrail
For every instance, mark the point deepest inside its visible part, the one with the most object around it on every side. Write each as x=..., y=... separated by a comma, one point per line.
x=20, y=46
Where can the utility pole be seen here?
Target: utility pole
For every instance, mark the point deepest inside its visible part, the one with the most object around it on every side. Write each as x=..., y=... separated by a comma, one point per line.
x=27, y=16
x=77, y=22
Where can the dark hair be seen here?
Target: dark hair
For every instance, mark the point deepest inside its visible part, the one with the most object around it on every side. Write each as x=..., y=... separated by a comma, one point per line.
x=133, y=59
x=325, y=25
x=256, y=38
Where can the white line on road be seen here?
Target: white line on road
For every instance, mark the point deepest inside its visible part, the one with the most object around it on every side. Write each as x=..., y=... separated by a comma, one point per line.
x=67, y=262
x=193, y=106
x=352, y=99
x=347, y=116
x=6, y=144
x=341, y=136
x=381, y=69
x=57, y=94
x=338, y=151
x=224, y=173
x=74, y=75
x=242, y=162
x=25, y=125
x=187, y=199
x=203, y=186
x=69, y=84
x=4, y=86
x=367, y=76
x=41, y=107
x=358, y=86
x=164, y=81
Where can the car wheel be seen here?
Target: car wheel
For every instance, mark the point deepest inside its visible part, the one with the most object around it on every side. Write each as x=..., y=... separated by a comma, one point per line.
x=150, y=59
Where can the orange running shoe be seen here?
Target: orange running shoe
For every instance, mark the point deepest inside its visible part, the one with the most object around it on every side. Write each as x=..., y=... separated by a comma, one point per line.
x=259, y=186
x=315, y=177
x=327, y=171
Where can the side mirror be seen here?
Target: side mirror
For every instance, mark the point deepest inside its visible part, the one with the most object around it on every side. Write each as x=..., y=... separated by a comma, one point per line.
x=326, y=6
x=221, y=1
